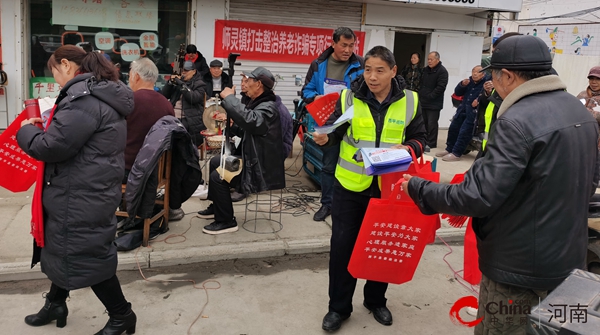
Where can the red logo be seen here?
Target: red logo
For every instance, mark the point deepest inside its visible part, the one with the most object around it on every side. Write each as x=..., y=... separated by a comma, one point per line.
x=469, y=301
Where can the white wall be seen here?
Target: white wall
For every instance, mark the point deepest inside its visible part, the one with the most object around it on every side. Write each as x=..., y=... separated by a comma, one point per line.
x=206, y=12
x=12, y=59
x=402, y=16
x=376, y=35
x=573, y=70
x=459, y=53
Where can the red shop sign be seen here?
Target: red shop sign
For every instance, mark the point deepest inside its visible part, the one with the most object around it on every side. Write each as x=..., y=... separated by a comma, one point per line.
x=276, y=43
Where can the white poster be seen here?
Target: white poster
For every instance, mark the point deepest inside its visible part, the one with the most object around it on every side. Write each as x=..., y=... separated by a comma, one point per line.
x=124, y=14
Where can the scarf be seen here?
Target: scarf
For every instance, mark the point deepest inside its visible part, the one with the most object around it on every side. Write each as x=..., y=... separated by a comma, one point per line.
x=37, y=208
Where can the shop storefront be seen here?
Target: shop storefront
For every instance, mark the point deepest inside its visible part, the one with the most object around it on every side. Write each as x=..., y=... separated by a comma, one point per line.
x=127, y=29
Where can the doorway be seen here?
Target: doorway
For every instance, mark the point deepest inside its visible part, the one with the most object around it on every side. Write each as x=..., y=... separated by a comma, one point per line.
x=406, y=44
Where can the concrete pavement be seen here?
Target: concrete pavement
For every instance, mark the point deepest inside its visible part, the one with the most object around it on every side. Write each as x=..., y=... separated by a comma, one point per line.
x=268, y=296
x=185, y=243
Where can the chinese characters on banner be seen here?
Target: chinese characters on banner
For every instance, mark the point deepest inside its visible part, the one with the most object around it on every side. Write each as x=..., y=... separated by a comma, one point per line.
x=278, y=43
x=124, y=14
x=42, y=87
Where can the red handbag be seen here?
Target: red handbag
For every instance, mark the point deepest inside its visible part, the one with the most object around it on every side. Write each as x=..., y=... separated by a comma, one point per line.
x=17, y=169
x=391, y=240
x=422, y=169
x=472, y=274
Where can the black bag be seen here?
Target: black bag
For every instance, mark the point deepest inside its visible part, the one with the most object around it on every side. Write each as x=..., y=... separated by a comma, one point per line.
x=129, y=241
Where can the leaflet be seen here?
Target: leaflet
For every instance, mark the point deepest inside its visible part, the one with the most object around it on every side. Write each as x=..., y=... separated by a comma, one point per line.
x=379, y=161
x=327, y=129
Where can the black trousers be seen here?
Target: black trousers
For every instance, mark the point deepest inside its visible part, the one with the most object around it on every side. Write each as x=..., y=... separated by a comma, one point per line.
x=218, y=191
x=347, y=213
x=109, y=292
x=431, y=118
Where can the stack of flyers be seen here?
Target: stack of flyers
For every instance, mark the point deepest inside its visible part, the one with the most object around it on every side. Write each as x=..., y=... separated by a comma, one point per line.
x=380, y=161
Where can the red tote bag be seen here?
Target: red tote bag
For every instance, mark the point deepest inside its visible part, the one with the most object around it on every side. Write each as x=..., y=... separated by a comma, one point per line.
x=422, y=169
x=17, y=169
x=391, y=240
x=472, y=274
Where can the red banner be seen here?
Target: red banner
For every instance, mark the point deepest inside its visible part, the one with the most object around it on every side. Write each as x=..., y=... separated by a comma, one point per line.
x=275, y=43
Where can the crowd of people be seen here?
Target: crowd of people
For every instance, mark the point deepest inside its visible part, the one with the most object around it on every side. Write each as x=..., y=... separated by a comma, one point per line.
x=519, y=106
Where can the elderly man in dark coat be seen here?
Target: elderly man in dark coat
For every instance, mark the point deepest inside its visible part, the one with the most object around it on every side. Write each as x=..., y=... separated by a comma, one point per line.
x=258, y=123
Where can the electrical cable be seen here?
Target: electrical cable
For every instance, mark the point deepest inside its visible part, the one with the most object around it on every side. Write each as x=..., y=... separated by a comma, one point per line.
x=460, y=279
x=193, y=282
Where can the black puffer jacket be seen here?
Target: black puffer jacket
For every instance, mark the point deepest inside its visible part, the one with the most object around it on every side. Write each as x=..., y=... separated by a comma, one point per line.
x=433, y=85
x=193, y=93
x=529, y=194
x=83, y=150
x=262, y=146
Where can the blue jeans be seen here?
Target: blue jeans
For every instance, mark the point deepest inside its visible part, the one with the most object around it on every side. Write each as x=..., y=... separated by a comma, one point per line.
x=330, y=158
x=460, y=132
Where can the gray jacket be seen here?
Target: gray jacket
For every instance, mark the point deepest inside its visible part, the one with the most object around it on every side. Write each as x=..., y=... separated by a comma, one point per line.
x=83, y=150
x=529, y=194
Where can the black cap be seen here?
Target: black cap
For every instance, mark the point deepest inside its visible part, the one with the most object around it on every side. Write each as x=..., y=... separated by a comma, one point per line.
x=521, y=53
x=216, y=63
x=263, y=75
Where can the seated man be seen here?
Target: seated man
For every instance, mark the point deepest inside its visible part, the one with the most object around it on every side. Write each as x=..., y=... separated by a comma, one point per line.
x=463, y=122
x=149, y=107
x=258, y=124
x=187, y=95
x=216, y=80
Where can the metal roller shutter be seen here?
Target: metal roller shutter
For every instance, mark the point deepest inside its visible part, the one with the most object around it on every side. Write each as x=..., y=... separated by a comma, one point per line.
x=308, y=13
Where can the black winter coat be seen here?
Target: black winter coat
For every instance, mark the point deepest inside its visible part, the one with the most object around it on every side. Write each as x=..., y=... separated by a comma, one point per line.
x=529, y=194
x=83, y=148
x=260, y=125
x=433, y=86
x=193, y=93
x=167, y=133
x=225, y=82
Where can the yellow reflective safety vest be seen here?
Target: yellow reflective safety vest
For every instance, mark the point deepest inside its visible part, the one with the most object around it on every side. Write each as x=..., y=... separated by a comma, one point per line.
x=362, y=134
x=489, y=112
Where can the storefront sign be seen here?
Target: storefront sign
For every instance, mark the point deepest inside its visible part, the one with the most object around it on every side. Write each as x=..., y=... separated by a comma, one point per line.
x=124, y=14
x=277, y=43
x=43, y=87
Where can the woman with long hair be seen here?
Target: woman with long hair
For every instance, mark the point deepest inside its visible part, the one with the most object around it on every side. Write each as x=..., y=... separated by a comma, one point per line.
x=412, y=72
x=81, y=165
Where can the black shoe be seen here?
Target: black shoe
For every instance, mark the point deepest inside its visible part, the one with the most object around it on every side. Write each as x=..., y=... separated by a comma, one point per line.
x=427, y=148
x=322, y=213
x=216, y=228
x=117, y=324
x=381, y=314
x=333, y=321
x=176, y=214
x=236, y=197
x=154, y=233
x=51, y=311
x=208, y=213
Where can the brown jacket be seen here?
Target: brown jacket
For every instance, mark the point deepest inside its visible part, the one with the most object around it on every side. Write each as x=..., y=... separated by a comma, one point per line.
x=591, y=101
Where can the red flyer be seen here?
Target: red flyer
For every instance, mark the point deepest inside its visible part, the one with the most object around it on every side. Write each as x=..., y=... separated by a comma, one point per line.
x=323, y=107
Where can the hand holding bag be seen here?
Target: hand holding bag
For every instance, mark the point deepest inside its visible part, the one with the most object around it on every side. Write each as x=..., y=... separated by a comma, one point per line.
x=391, y=240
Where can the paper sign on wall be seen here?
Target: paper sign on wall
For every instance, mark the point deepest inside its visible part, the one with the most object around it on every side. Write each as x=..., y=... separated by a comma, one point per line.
x=124, y=14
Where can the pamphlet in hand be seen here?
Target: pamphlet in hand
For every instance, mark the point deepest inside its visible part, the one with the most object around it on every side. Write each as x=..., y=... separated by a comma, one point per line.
x=380, y=161
x=347, y=116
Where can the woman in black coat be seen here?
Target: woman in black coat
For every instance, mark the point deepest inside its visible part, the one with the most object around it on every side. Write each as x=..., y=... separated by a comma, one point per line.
x=82, y=148
x=412, y=72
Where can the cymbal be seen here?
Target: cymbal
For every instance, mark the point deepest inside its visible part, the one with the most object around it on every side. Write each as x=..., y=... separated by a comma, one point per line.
x=209, y=118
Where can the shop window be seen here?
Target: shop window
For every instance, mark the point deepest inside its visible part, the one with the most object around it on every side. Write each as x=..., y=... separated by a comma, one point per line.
x=122, y=30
